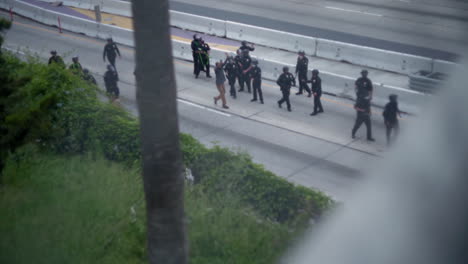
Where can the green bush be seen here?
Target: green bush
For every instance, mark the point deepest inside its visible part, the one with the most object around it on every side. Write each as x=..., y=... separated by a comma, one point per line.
x=47, y=104
x=83, y=209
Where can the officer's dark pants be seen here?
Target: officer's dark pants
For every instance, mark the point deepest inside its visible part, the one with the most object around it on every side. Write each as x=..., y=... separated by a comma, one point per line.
x=317, y=104
x=111, y=60
x=245, y=80
x=197, y=65
x=395, y=126
x=232, y=82
x=285, y=98
x=303, y=82
x=257, y=88
x=363, y=118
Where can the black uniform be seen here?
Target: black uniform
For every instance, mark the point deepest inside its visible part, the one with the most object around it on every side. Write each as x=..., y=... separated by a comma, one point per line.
x=363, y=112
x=196, y=53
x=245, y=62
x=111, y=51
x=56, y=59
x=205, y=57
x=363, y=87
x=237, y=60
x=256, y=76
x=301, y=71
x=285, y=81
x=245, y=47
x=391, y=120
x=232, y=71
x=110, y=81
x=317, y=91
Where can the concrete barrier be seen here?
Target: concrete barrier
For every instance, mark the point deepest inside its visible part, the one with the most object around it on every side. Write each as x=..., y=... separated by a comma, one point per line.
x=444, y=67
x=198, y=23
x=371, y=57
x=271, y=38
x=115, y=7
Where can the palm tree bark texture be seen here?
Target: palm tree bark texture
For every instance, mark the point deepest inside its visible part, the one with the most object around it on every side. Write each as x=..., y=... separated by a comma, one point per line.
x=162, y=163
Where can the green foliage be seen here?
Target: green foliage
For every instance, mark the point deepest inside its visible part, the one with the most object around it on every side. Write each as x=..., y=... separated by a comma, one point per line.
x=4, y=24
x=70, y=209
x=221, y=171
x=83, y=209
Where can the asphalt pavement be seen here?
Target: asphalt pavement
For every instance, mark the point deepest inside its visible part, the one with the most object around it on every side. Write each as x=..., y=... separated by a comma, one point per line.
x=313, y=151
x=427, y=28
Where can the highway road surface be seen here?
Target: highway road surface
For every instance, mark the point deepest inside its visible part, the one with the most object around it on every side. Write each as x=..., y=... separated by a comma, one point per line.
x=313, y=151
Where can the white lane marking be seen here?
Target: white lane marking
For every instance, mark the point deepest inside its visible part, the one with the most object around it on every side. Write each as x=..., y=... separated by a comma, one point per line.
x=404, y=1
x=204, y=107
x=353, y=11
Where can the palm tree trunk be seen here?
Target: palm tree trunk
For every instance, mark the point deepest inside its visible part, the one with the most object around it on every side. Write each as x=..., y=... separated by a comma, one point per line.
x=162, y=164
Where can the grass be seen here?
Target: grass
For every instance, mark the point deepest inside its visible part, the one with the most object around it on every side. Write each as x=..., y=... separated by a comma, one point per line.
x=86, y=209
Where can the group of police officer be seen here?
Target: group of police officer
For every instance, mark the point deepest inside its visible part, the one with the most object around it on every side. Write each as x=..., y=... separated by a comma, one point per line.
x=246, y=71
x=111, y=76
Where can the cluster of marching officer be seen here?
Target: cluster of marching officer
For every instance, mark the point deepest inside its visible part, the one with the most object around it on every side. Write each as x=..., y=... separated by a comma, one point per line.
x=111, y=76
x=246, y=70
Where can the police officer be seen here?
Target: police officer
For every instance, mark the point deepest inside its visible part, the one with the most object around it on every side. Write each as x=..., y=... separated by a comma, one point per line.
x=317, y=91
x=285, y=81
x=302, y=67
x=75, y=67
x=111, y=51
x=246, y=66
x=237, y=60
x=390, y=115
x=205, y=57
x=88, y=77
x=363, y=86
x=256, y=76
x=110, y=81
x=54, y=58
x=363, y=115
x=232, y=70
x=196, y=54
x=245, y=46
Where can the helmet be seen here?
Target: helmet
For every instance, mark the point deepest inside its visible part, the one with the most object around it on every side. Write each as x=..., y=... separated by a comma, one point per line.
x=301, y=52
x=244, y=43
x=285, y=69
x=393, y=97
x=109, y=39
x=195, y=36
x=53, y=52
x=85, y=70
x=255, y=62
x=75, y=58
x=315, y=72
x=364, y=72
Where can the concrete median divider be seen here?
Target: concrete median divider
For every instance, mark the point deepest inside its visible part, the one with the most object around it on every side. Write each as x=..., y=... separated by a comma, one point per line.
x=198, y=23
x=444, y=67
x=372, y=58
x=271, y=38
x=122, y=8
